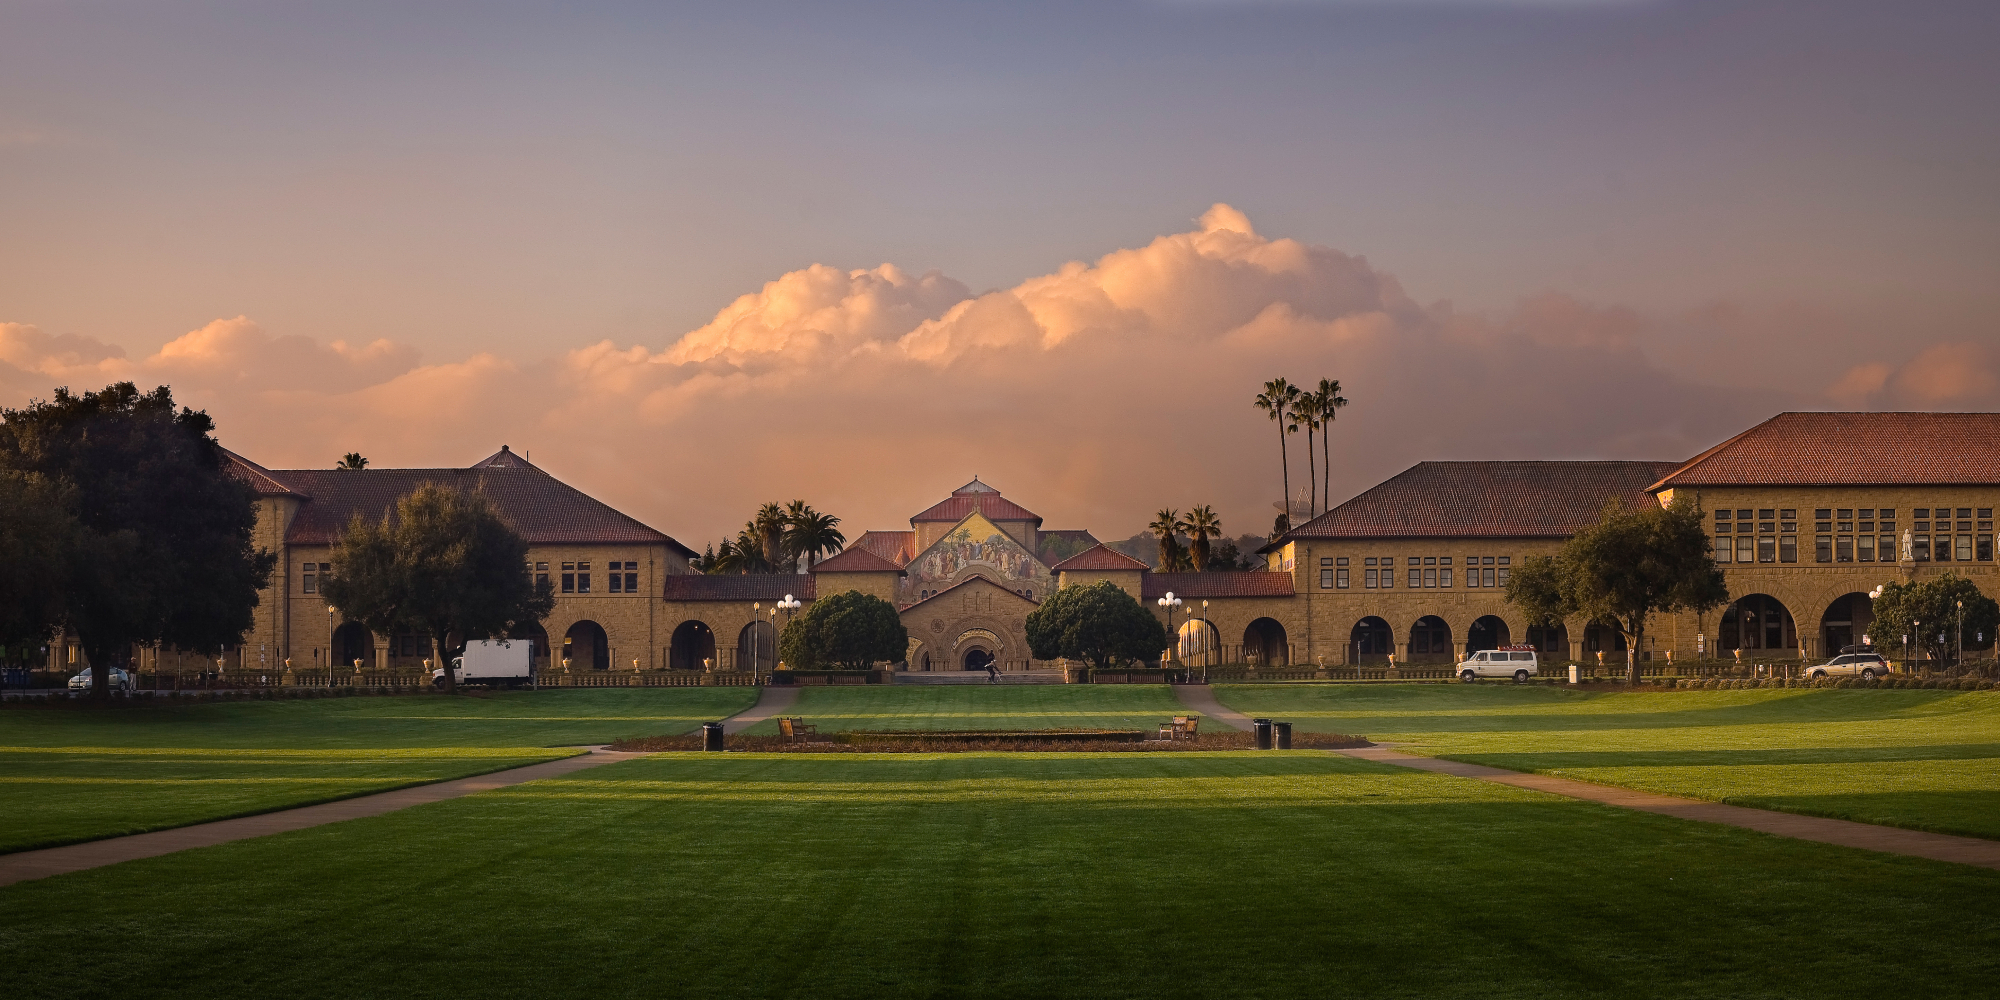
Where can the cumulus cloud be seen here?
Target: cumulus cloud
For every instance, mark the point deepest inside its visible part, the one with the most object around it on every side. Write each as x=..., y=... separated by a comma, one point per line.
x=1957, y=375
x=1092, y=394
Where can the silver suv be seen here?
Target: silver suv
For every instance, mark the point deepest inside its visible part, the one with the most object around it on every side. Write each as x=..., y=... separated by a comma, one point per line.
x=1865, y=665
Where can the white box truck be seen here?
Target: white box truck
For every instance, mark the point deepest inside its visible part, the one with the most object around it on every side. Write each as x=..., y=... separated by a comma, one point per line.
x=494, y=661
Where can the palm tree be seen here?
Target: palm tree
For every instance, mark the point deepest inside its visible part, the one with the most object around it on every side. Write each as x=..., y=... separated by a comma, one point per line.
x=769, y=528
x=1307, y=410
x=1330, y=402
x=352, y=460
x=810, y=534
x=1276, y=401
x=1201, y=523
x=1168, y=526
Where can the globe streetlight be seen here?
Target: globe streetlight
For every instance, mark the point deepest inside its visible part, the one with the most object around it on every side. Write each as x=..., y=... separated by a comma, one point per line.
x=791, y=605
x=1170, y=602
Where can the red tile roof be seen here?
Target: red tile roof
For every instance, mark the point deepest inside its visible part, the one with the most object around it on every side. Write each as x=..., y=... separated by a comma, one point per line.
x=1486, y=500
x=898, y=547
x=1099, y=557
x=977, y=496
x=544, y=509
x=1851, y=449
x=745, y=587
x=1194, y=586
x=856, y=560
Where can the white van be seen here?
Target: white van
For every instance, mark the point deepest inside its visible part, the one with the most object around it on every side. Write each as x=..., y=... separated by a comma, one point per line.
x=1517, y=662
x=493, y=661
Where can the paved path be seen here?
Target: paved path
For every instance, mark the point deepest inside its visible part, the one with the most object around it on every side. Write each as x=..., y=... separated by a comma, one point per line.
x=27, y=865
x=1867, y=836
x=774, y=701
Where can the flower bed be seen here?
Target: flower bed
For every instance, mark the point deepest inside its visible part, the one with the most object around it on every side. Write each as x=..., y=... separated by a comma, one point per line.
x=1016, y=741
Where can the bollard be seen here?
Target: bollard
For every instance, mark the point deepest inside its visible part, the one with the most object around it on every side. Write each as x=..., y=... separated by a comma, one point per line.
x=1283, y=732
x=1262, y=729
x=711, y=736
x=1573, y=671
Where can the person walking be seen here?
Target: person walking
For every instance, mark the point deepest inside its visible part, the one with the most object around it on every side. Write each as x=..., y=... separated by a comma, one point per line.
x=992, y=672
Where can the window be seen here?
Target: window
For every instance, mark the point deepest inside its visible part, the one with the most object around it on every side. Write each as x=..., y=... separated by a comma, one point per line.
x=1472, y=575
x=1388, y=575
x=617, y=581
x=631, y=578
x=1964, y=512
x=1370, y=561
x=1921, y=513
x=1886, y=513
x=1430, y=560
x=1865, y=551
x=1326, y=578
x=1766, y=514
x=569, y=578
x=1985, y=542
x=1431, y=577
x=1340, y=578
x=1485, y=577
x=1745, y=549
x=541, y=573
x=1722, y=547
x=1788, y=514
x=1922, y=548
x=1887, y=547
x=1721, y=516
x=1822, y=548
x=1788, y=548
x=1844, y=514
x=1843, y=549
x=1503, y=571
x=1767, y=549
x=583, y=578
x=312, y=578
x=1417, y=579
x=1964, y=553
x=1368, y=577
x=1823, y=514
x=1444, y=577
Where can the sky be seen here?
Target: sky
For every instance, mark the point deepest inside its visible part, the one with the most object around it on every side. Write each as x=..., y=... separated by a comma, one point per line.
x=697, y=257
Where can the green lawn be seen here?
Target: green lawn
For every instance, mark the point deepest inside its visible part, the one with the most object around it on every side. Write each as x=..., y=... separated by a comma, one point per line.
x=70, y=774
x=1923, y=759
x=979, y=706
x=1278, y=874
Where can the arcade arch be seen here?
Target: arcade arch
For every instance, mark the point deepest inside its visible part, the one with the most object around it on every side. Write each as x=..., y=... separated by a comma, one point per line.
x=691, y=647
x=1264, y=644
x=1757, y=621
x=1371, y=641
x=586, y=647
x=1430, y=641
x=1487, y=632
x=757, y=647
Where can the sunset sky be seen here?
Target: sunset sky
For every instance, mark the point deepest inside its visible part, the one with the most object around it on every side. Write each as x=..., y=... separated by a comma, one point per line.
x=699, y=257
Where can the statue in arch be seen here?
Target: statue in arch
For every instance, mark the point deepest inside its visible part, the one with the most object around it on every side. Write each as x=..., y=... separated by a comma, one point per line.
x=1909, y=548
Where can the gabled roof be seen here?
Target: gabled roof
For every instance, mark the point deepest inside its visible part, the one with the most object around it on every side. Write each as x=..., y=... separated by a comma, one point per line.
x=544, y=509
x=1851, y=449
x=962, y=584
x=259, y=478
x=1486, y=500
x=1099, y=557
x=898, y=547
x=857, y=560
x=977, y=496
x=745, y=587
x=1194, y=586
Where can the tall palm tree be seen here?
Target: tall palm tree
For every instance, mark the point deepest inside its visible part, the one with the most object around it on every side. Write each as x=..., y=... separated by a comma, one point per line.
x=1330, y=402
x=769, y=528
x=1167, y=524
x=810, y=534
x=1201, y=522
x=1276, y=401
x=1307, y=410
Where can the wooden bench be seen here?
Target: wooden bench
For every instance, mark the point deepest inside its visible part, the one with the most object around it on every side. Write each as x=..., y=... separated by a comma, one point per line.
x=796, y=730
x=1183, y=727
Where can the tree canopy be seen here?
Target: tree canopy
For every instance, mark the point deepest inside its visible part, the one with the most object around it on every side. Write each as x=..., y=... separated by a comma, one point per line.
x=39, y=540
x=1098, y=623
x=1927, y=611
x=443, y=563
x=162, y=550
x=1627, y=566
x=849, y=630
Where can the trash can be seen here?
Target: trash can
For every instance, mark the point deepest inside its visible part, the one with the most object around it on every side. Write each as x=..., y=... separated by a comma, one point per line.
x=1283, y=732
x=1261, y=728
x=711, y=736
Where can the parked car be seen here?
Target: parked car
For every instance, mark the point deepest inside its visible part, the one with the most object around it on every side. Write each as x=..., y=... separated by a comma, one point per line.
x=1518, y=662
x=1868, y=665
x=119, y=680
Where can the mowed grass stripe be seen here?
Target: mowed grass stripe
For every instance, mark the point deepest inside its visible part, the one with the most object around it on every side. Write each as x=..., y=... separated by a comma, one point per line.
x=1000, y=706
x=1291, y=874
x=1926, y=760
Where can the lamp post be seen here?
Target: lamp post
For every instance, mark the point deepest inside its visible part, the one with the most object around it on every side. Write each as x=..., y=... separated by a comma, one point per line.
x=329, y=647
x=791, y=605
x=1170, y=602
x=1207, y=647
x=1958, y=656
x=756, y=615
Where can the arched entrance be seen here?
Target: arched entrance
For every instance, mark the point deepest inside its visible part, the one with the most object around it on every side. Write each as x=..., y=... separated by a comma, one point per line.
x=977, y=659
x=1264, y=644
x=1487, y=632
x=1371, y=641
x=351, y=642
x=1430, y=641
x=586, y=647
x=1757, y=621
x=1601, y=638
x=537, y=639
x=1550, y=640
x=1846, y=620
x=976, y=647
x=757, y=647
x=1199, y=642
x=692, y=643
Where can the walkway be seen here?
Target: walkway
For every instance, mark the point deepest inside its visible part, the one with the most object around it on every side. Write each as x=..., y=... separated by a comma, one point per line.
x=27, y=865
x=1844, y=833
